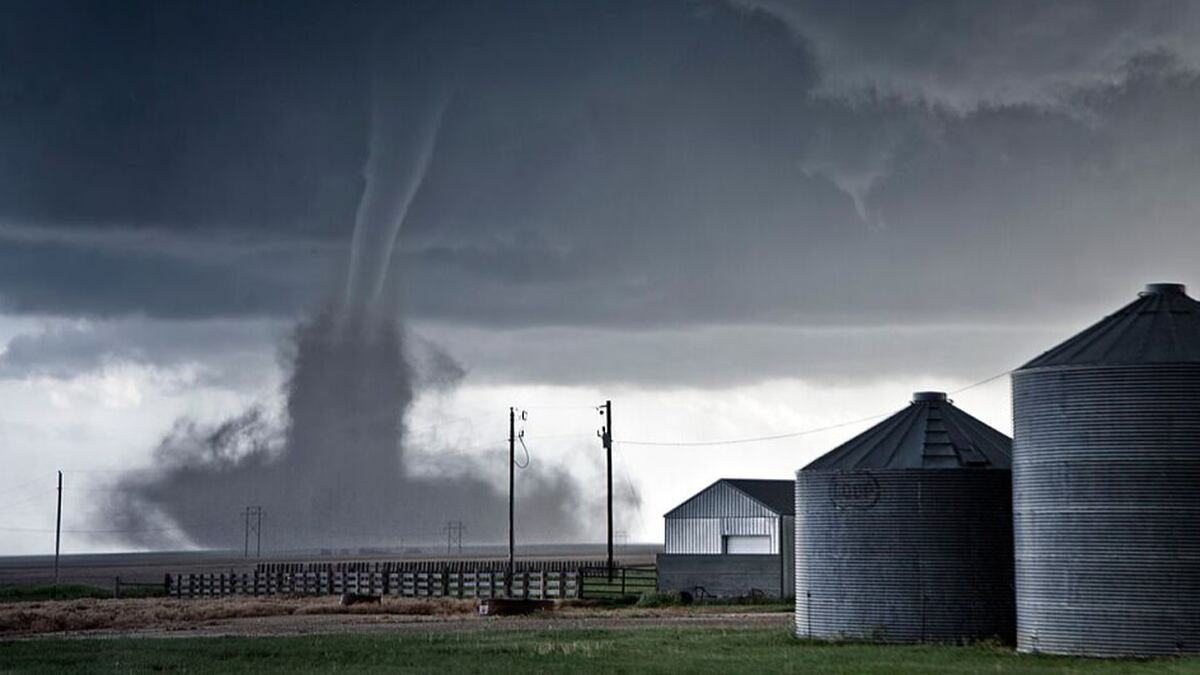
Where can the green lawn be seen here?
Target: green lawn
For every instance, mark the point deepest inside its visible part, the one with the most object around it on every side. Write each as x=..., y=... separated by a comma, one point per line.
x=662, y=650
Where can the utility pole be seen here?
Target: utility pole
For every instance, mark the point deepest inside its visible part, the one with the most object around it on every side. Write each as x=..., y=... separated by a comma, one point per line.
x=512, y=456
x=57, y=532
x=606, y=439
x=256, y=528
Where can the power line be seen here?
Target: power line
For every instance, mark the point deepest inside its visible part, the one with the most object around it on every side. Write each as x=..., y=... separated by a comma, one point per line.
x=433, y=426
x=559, y=407
x=554, y=437
x=112, y=470
x=21, y=487
x=981, y=382
x=26, y=500
x=524, y=448
x=794, y=434
x=633, y=491
x=753, y=439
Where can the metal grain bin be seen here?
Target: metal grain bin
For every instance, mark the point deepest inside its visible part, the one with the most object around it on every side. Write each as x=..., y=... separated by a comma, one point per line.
x=1106, y=485
x=904, y=533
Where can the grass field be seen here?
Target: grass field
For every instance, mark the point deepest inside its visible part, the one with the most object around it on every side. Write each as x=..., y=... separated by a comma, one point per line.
x=654, y=650
x=73, y=592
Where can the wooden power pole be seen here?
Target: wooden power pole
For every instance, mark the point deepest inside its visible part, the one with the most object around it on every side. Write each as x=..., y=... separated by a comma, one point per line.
x=606, y=438
x=57, y=532
x=512, y=457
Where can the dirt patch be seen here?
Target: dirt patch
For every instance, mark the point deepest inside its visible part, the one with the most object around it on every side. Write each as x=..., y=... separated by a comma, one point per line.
x=273, y=616
x=362, y=624
x=170, y=613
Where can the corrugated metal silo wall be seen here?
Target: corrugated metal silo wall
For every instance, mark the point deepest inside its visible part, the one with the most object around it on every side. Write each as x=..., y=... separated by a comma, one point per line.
x=1106, y=500
x=904, y=555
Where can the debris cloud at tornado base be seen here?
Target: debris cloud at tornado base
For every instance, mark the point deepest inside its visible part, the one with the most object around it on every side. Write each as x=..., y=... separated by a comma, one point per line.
x=335, y=471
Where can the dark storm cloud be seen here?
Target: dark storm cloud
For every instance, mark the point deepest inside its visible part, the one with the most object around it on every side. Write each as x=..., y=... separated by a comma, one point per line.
x=83, y=280
x=719, y=357
x=966, y=52
x=182, y=115
x=609, y=164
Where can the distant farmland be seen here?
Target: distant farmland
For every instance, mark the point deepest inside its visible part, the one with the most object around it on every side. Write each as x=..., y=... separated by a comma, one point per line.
x=101, y=569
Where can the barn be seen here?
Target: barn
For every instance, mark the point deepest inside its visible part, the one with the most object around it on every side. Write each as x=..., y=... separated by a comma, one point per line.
x=733, y=538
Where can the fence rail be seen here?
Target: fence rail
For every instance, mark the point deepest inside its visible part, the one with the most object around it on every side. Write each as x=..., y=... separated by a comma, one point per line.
x=597, y=581
x=540, y=580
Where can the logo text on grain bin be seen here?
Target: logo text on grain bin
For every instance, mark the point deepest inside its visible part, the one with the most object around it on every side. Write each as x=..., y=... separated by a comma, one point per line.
x=857, y=490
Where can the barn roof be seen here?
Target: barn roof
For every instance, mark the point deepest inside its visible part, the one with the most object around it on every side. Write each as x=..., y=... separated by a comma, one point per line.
x=739, y=497
x=778, y=495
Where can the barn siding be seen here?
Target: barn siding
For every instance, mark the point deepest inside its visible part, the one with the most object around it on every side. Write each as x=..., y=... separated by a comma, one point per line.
x=704, y=535
x=693, y=535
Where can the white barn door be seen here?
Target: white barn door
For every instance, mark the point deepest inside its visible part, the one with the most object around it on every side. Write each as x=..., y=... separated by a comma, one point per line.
x=747, y=544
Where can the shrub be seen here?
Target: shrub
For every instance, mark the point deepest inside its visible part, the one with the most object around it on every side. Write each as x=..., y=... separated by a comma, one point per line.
x=655, y=599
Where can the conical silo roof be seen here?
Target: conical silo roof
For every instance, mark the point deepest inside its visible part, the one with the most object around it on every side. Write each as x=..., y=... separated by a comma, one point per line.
x=1161, y=326
x=931, y=433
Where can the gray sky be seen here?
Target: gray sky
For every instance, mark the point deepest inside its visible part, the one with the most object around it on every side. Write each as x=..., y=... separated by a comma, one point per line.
x=734, y=218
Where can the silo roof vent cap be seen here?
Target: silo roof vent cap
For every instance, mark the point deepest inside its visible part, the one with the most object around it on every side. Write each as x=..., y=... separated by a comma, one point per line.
x=919, y=396
x=1164, y=289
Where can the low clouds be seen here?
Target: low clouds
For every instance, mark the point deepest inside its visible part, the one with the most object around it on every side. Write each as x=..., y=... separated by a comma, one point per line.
x=234, y=354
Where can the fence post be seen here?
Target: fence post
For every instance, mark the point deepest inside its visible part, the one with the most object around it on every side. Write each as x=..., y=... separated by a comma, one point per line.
x=622, y=581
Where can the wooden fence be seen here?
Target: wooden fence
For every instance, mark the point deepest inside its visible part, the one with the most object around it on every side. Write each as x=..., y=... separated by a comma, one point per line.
x=540, y=580
x=596, y=581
